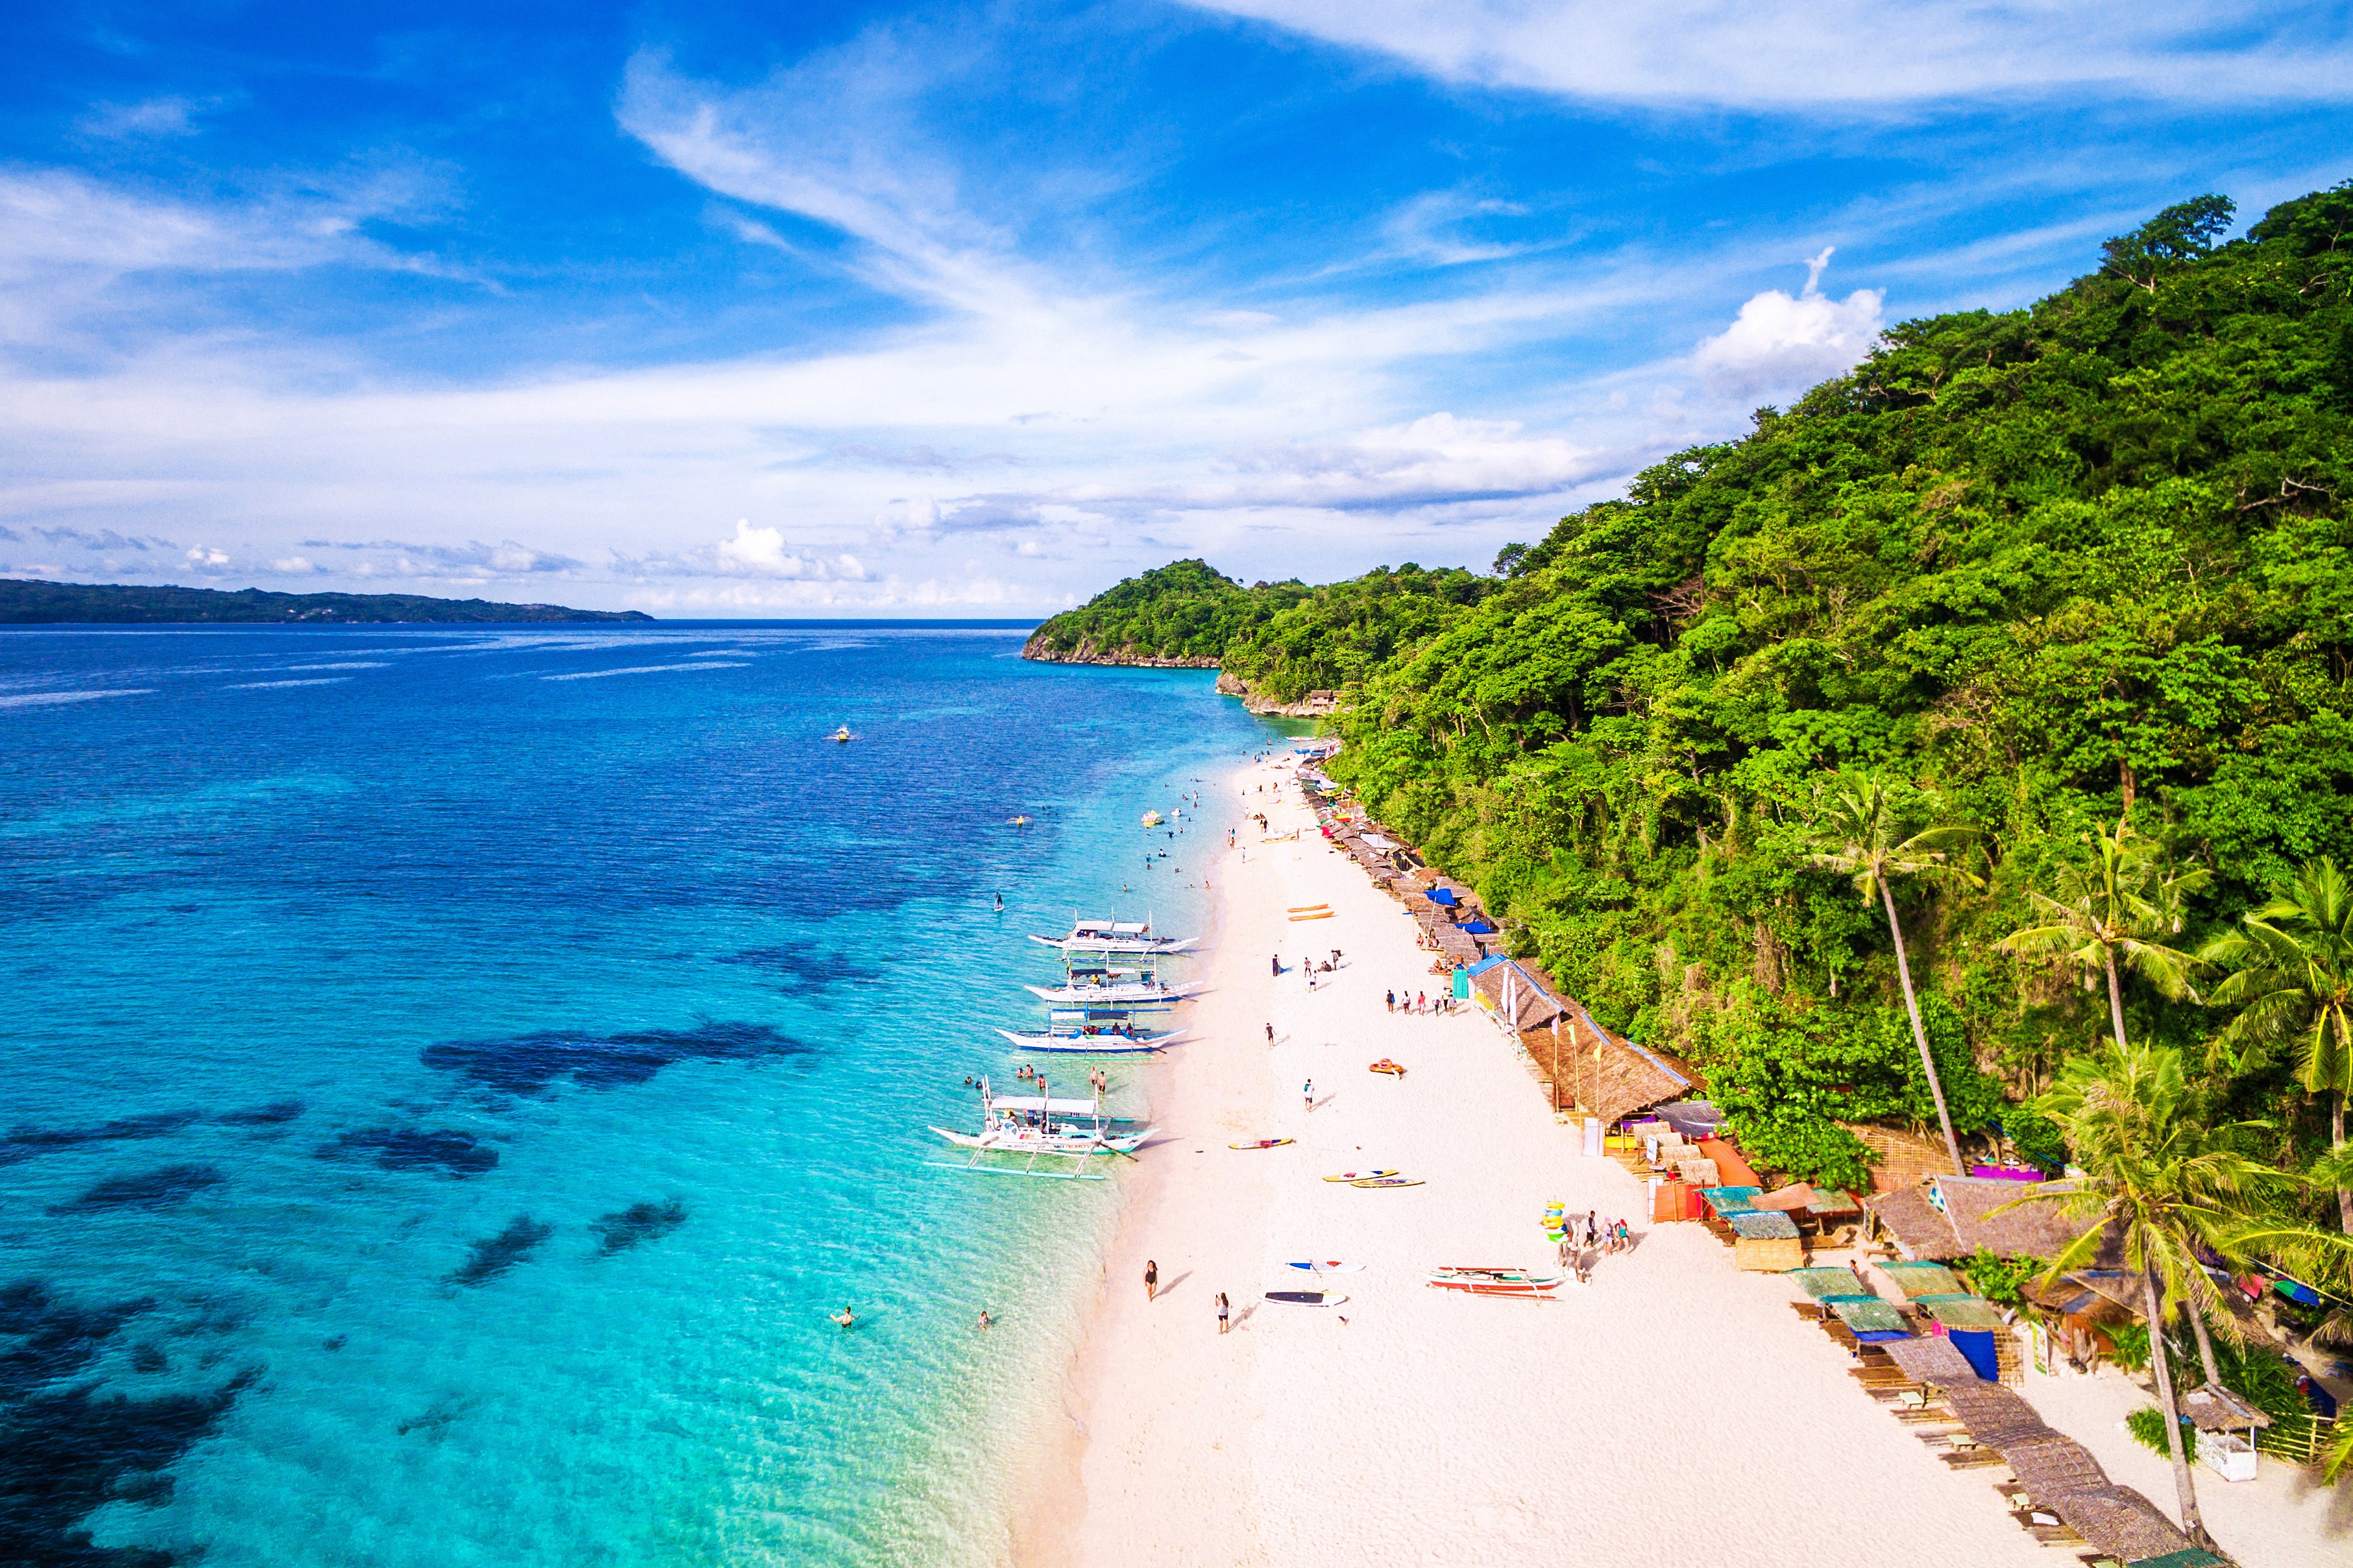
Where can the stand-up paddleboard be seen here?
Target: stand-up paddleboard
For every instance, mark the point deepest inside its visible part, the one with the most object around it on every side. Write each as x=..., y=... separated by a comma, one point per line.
x=1389, y=1181
x=1358, y=1175
x=1327, y=1265
x=1319, y=915
x=1261, y=1143
x=1307, y=1297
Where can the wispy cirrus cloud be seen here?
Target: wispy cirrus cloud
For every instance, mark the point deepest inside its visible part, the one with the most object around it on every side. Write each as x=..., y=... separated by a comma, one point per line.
x=1811, y=54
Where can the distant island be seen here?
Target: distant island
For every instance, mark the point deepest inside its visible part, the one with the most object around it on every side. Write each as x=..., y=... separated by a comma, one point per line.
x=30, y=602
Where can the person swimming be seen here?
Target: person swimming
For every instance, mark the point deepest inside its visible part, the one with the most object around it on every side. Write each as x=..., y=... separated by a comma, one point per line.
x=985, y=1321
x=846, y=1318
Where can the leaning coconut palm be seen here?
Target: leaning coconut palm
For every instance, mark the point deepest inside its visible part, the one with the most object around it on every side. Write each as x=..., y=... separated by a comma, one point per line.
x=1853, y=832
x=2107, y=917
x=2165, y=1186
x=2293, y=980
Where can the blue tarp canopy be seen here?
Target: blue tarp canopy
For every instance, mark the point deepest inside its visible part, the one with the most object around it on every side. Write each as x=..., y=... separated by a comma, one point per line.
x=1483, y=965
x=1976, y=1346
x=1478, y=926
x=1441, y=896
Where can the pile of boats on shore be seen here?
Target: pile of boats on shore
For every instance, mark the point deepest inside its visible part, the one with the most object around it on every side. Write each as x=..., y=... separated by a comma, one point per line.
x=1111, y=1003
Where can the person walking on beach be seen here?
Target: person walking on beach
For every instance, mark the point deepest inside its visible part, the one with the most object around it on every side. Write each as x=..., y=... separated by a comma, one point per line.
x=1270, y=1033
x=1421, y=1003
x=1151, y=1278
x=1222, y=1309
x=1308, y=1093
x=1277, y=961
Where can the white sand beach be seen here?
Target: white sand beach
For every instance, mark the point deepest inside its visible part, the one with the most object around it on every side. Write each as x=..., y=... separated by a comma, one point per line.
x=1674, y=1410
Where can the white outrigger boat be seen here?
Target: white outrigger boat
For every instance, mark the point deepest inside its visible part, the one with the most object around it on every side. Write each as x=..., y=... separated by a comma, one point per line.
x=1101, y=1039
x=1115, y=937
x=1041, y=1127
x=1115, y=992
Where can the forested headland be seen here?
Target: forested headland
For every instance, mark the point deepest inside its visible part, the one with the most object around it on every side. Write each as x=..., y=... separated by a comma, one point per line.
x=2030, y=637
x=28, y=601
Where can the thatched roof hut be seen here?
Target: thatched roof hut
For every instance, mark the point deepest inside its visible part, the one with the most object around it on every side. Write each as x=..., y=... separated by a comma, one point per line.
x=2058, y=1472
x=1953, y=1217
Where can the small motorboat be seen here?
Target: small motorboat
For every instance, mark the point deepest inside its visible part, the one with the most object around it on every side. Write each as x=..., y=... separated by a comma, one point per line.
x=842, y=735
x=1388, y=1067
x=1152, y=819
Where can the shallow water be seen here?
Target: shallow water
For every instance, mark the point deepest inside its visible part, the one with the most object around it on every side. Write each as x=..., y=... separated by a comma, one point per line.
x=448, y=1076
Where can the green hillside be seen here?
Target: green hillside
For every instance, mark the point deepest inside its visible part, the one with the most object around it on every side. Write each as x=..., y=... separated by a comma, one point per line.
x=2040, y=571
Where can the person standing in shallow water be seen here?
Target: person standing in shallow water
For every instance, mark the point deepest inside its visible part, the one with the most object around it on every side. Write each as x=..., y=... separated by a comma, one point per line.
x=1151, y=1278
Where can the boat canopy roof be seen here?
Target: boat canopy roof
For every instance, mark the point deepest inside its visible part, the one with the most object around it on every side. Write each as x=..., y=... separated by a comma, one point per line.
x=1051, y=1107
x=1110, y=928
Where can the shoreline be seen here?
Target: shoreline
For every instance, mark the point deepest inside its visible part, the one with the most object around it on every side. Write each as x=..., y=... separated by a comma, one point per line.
x=1413, y=1424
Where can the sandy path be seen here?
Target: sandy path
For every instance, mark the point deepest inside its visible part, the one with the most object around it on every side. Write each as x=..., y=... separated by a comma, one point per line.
x=1673, y=1411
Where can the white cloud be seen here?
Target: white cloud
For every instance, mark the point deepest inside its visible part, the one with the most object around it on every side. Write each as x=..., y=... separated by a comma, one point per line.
x=167, y=116
x=1777, y=342
x=294, y=566
x=204, y=557
x=1794, y=53
x=1433, y=461
x=1030, y=409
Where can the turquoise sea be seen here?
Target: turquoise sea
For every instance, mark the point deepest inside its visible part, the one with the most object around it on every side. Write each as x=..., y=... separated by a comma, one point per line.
x=447, y=1077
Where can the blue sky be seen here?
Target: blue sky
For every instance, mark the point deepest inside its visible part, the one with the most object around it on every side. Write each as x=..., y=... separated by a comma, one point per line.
x=736, y=310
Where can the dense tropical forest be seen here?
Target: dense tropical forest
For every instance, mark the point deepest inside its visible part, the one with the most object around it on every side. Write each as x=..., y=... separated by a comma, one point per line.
x=2036, y=620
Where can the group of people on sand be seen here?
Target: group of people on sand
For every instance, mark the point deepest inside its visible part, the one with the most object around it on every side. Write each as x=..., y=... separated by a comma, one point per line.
x=1590, y=1236
x=1420, y=1002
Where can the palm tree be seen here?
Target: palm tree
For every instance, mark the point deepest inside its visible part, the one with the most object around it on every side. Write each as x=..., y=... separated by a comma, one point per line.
x=1854, y=833
x=2108, y=916
x=2165, y=1186
x=2293, y=960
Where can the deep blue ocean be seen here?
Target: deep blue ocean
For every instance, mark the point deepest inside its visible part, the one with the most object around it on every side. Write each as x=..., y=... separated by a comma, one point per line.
x=447, y=1077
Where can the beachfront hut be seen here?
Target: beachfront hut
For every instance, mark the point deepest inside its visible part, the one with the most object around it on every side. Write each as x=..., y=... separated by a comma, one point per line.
x=1946, y=1217
x=1766, y=1242
x=2226, y=1426
x=1916, y=1280
x=1828, y=1284
x=2073, y=1314
x=2058, y=1475
x=1519, y=1000
x=1870, y=1320
x=1606, y=1075
x=1976, y=1327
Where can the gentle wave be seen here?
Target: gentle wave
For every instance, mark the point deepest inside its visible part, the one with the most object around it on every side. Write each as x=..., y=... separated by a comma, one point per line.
x=48, y=698
x=643, y=670
x=273, y=685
